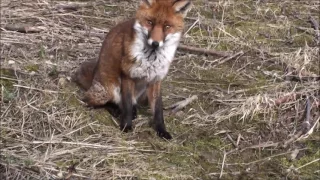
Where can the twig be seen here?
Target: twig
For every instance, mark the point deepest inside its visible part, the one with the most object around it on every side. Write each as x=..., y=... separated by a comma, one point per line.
x=233, y=173
x=37, y=29
x=289, y=97
x=292, y=139
x=89, y=33
x=310, y=131
x=10, y=79
x=301, y=78
x=306, y=123
x=180, y=105
x=232, y=141
x=79, y=128
x=192, y=26
x=77, y=175
x=203, y=51
x=305, y=126
x=238, y=140
x=307, y=164
x=315, y=25
x=264, y=145
x=71, y=170
x=230, y=57
x=25, y=28
x=270, y=157
x=76, y=6
x=222, y=166
x=42, y=90
x=88, y=145
x=114, y=121
x=285, y=99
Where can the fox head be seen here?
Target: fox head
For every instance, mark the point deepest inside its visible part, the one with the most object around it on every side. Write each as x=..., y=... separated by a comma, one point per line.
x=161, y=21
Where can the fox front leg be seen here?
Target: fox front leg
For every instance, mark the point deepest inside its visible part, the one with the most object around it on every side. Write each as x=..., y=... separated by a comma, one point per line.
x=155, y=101
x=127, y=107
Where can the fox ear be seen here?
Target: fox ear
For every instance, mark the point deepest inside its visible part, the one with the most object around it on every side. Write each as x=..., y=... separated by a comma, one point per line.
x=148, y=3
x=182, y=6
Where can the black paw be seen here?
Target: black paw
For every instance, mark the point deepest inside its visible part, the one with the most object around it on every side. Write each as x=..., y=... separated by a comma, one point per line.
x=164, y=134
x=113, y=109
x=125, y=128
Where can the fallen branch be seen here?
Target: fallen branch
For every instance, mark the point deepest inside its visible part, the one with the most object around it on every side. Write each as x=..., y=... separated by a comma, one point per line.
x=263, y=159
x=310, y=131
x=225, y=173
x=270, y=157
x=84, y=145
x=285, y=99
x=263, y=145
x=10, y=79
x=41, y=90
x=55, y=170
x=180, y=105
x=304, y=132
x=238, y=54
x=71, y=170
x=293, y=97
x=231, y=140
x=76, y=6
x=37, y=29
x=24, y=28
x=222, y=166
x=315, y=26
x=292, y=139
x=89, y=33
x=316, y=160
x=301, y=78
x=306, y=123
x=203, y=51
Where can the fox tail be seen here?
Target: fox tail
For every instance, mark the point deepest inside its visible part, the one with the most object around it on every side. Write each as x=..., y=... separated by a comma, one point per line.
x=83, y=77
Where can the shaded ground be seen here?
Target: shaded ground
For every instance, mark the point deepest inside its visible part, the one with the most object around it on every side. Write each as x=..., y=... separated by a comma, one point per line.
x=250, y=120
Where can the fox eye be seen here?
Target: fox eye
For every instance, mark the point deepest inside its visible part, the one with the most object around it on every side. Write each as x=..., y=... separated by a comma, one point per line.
x=149, y=22
x=167, y=27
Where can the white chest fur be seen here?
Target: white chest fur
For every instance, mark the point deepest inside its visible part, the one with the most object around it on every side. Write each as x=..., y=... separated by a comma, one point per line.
x=152, y=64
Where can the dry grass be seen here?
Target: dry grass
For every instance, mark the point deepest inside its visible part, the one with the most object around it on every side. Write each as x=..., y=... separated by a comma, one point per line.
x=256, y=116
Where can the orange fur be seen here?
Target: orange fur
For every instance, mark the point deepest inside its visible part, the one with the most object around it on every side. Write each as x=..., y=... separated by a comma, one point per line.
x=130, y=66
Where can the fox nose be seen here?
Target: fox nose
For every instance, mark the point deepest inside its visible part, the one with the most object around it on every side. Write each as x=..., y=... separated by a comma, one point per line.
x=155, y=44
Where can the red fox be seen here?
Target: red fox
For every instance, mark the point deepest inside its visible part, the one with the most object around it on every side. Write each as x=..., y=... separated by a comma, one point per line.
x=134, y=59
